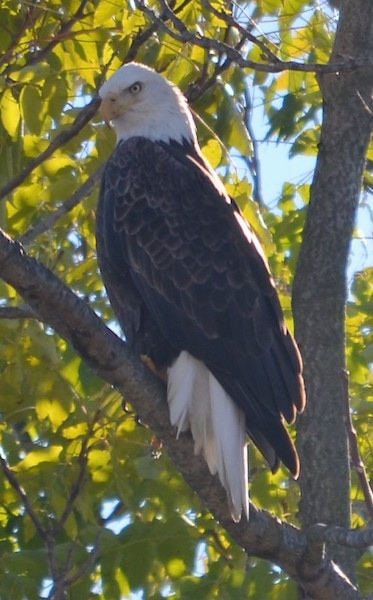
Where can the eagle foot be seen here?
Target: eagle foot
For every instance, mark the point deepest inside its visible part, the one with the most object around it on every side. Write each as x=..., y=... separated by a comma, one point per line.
x=149, y=363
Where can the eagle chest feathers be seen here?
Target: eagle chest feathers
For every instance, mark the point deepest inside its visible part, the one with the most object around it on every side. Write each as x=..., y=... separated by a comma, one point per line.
x=191, y=288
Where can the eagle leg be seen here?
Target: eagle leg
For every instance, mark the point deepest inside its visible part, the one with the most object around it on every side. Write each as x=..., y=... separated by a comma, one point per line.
x=160, y=373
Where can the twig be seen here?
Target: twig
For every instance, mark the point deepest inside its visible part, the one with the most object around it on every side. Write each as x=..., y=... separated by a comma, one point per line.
x=44, y=533
x=184, y=35
x=354, y=447
x=87, y=566
x=139, y=40
x=17, y=35
x=246, y=34
x=17, y=312
x=76, y=486
x=59, y=35
x=47, y=223
x=200, y=87
x=84, y=116
x=252, y=162
x=10, y=476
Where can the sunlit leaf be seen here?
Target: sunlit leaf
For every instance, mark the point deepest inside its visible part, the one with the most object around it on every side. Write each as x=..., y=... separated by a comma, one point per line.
x=10, y=112
x=34, y=458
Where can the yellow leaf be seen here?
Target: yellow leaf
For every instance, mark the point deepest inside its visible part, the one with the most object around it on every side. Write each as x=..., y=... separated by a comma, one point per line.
x=34, y=458
x=79, y=430
x=122, y=582
x=213, y=152
x=33, y=145
x=99, y=465
x=176, y=567
x=10, y=113
x=56, y=163
x=282, y=81
x=52, y=409
x=106, y=11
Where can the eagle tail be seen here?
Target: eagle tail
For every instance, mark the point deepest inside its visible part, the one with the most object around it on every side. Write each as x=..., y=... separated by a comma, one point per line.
x=198, y=402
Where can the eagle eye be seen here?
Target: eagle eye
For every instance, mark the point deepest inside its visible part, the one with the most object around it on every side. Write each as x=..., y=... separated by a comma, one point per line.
x=136, y=87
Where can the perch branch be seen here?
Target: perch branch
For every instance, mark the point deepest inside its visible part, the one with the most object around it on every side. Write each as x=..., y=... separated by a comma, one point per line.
x=264, y=535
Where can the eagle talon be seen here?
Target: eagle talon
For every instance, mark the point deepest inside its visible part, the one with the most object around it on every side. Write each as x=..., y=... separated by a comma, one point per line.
x=149, y=363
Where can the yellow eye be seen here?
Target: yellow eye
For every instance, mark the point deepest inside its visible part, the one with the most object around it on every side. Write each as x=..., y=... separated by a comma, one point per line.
x=136, y=87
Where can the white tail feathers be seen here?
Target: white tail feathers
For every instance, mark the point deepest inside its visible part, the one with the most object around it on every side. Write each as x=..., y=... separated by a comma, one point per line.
x=198, y=401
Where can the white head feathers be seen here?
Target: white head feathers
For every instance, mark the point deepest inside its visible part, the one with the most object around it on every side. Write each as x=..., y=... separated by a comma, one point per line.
x=140, y=102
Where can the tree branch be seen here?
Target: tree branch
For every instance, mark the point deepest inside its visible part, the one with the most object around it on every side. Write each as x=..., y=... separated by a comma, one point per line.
x=184, y=35
x=17, y=312
x=60, y=35
x=84, y=116
x=12, y=479
x=44, y=225
x=28, y=23
x=44, y=534
x=264, y=535
x=245, y=33
x=350, y=538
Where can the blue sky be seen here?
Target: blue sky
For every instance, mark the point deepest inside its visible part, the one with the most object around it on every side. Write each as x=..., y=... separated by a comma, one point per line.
x=276, y=168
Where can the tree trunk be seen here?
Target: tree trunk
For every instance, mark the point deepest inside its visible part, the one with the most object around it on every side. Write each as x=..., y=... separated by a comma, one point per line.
x=320, y=283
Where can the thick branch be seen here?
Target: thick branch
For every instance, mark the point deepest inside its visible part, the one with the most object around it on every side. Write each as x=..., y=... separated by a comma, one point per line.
x=264, y=536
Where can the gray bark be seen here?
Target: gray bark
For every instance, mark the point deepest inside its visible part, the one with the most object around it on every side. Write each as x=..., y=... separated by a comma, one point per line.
x=319, y=294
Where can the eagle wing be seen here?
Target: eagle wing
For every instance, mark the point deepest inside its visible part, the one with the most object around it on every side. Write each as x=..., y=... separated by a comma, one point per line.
x=184, y=271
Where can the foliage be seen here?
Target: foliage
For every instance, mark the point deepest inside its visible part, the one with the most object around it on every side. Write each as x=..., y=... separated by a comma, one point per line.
x=84, y=487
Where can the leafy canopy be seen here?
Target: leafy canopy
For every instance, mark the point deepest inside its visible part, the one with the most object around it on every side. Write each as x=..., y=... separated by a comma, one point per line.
x=99, y=498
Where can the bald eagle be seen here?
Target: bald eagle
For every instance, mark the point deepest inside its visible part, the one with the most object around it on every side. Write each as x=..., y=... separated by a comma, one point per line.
x=190, y=285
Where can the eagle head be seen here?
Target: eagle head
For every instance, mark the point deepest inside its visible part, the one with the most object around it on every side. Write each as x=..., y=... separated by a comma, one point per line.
x=140, y=102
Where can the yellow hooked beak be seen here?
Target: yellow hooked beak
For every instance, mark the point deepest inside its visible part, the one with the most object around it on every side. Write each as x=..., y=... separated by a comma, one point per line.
x=112, y=106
